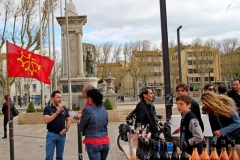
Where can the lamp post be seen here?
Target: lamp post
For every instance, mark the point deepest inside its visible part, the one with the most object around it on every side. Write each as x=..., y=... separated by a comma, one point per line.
x=179, y=55
x=167, y=85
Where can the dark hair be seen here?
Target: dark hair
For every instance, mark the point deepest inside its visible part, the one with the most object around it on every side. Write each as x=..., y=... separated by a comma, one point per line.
x=185, y=98
x=96, y=96
x=222, y=88
x=54, y=93
x=142, y=91
x=182, y=85
x=236, y=80
x=207, y=86
x=7, y=97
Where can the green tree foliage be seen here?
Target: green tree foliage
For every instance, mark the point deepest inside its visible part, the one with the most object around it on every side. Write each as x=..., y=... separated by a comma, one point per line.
x=108, y=105
x=30, y=108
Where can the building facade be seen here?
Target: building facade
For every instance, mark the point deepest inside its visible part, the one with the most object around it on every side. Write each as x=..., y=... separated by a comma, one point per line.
x=146, y=69
x=199, y=65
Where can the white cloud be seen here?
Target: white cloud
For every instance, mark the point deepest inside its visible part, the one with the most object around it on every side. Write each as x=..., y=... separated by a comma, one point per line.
x=122, y=21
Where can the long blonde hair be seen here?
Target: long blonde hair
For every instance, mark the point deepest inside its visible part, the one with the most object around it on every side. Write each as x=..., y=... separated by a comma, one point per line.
x=218, y=104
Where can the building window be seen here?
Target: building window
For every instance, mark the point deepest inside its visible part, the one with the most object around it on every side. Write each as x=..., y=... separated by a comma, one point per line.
x=25, y=87
x=211, y=78
x=190, y=70
x=195, y=79
x=190, y=79
x=34, y=87
x=200, y=53
x=189, y=54
x=206, y=79
x=189, y=62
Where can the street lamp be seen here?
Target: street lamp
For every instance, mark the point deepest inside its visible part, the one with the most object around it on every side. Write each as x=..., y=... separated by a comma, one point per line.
x=179, y=54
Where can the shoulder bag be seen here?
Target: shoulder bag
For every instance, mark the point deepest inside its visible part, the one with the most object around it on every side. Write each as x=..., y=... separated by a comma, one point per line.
x=15, y=112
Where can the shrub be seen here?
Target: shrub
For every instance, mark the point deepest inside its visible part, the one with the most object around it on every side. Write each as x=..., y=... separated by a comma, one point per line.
x=74, y=107
x=100, y=81
x=108, y=105
x=30, y=108
x=39, y=110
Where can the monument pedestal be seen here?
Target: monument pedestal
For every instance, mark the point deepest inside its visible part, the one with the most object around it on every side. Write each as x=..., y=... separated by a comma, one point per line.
x=77, y=86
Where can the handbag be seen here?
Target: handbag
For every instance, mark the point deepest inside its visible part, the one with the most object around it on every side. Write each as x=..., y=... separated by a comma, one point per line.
x=15, y=112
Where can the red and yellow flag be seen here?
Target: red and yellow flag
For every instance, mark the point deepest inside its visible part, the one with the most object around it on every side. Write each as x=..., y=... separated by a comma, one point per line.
x=23, y=63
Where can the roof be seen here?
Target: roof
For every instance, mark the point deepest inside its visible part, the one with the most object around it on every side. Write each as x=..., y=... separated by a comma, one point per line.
x=148, y=53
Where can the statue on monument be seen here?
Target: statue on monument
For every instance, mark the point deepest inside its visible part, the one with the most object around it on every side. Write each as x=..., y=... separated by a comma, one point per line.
x=71, y=9
x=89, y=64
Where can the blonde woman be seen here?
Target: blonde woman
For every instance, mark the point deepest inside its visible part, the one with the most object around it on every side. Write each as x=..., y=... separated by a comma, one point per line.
x=223, y=117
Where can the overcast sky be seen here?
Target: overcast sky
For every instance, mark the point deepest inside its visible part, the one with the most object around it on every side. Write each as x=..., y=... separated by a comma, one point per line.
x=122, y=21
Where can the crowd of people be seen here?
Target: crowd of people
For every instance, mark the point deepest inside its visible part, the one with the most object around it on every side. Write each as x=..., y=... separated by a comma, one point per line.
x=221, y=106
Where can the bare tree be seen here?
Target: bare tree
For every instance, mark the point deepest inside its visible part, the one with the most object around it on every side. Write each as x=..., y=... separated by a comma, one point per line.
x=117, y=50
x=230, y=59
x=173, y=63
x=20, y=24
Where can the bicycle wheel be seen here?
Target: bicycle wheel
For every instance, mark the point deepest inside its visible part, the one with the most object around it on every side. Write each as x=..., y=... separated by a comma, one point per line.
x=118, y=142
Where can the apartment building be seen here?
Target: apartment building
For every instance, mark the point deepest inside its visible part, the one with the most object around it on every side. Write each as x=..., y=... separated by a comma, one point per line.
x=146, y=69
x=198, y=63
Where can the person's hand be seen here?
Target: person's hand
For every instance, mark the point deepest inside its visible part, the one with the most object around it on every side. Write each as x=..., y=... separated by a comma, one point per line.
x=78, y=115
x=176, y=131
x=217, y=133
x=59, y=109
x=63, y=132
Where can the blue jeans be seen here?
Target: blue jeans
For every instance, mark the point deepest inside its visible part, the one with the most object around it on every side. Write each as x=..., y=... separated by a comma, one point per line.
x=53, y=140
x=97, y=152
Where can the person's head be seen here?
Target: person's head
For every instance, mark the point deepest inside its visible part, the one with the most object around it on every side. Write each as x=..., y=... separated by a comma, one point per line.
x=218, y=104
x=183, y=103
x=208, y=88
x=56, y=97
x=7, y=98
x=146, y=94
x=182, y=89
x=86, y=87
x=235, y=85
x=95, y=97
x=222, y=89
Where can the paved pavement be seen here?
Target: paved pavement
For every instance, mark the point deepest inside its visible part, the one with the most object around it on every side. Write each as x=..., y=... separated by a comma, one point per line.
x=29, y=142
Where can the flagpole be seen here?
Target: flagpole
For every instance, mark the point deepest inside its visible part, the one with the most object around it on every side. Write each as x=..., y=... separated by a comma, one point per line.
x=68, y=57
x=10, y=122
x=49, y=43
x=41, y=52
x=54, y=54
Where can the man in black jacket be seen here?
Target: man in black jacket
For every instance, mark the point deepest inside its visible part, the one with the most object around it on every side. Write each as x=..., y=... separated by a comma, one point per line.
x=145, y=111
x=235, y=92
x=182, y=89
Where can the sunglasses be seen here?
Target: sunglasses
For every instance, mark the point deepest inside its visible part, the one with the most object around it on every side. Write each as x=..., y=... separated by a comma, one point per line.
x=210, y=89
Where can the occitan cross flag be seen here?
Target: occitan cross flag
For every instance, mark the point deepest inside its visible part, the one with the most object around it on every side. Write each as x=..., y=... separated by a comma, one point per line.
x=23, y=63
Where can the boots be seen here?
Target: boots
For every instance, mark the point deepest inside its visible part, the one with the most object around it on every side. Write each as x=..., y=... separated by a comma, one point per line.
x=5, y=136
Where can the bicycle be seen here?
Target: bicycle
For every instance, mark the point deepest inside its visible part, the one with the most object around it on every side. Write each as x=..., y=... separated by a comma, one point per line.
x=164, y=130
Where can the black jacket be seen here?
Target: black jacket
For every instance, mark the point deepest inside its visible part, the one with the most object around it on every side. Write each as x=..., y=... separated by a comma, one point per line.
x=235, y=96
x=5, y=109
x=187, y=134
x=196, y=110
x=145, y=114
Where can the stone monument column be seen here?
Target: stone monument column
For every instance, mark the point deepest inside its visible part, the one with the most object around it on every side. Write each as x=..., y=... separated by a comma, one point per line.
x=64, y=63
x=80, y=55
